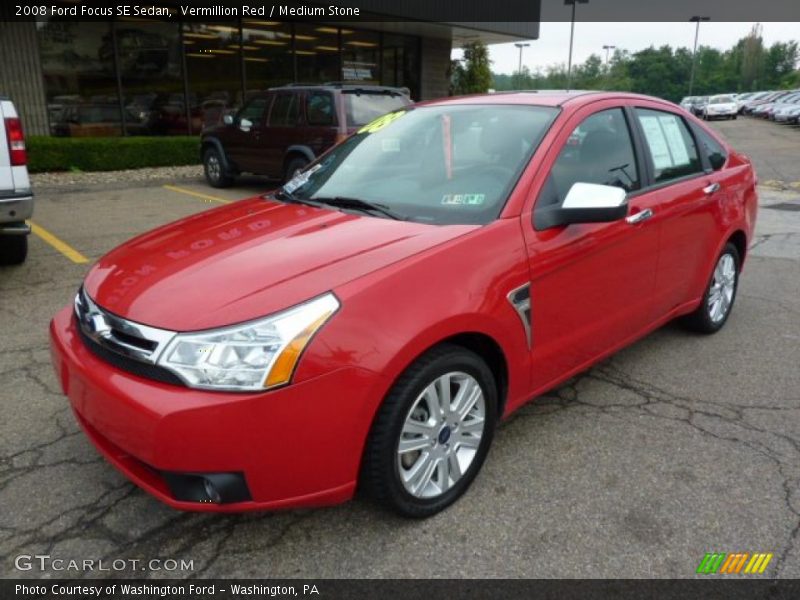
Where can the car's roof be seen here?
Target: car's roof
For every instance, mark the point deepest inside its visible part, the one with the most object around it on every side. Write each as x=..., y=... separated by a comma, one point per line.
x=538, y=98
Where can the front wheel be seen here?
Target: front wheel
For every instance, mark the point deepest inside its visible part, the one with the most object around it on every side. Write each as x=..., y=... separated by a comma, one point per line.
x=720, y=294
x=432, y=433
x=214, y=169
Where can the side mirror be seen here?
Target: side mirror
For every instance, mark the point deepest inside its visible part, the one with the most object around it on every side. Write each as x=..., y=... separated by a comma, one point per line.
x=585, y=203
x=245, y=124
x=227, y=119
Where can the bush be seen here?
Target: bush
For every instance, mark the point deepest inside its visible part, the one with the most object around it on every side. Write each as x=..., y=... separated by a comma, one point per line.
x=110, y=153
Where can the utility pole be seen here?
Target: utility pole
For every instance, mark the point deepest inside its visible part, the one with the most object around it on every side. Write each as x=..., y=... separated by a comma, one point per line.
x=572, y=3
x=519, y=70
x=696, y=19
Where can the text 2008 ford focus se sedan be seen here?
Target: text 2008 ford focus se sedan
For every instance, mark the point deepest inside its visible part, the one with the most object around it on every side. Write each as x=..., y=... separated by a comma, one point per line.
x=367, y=325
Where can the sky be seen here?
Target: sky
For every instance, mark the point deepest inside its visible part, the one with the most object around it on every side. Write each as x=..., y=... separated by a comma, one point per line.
x=552, y=47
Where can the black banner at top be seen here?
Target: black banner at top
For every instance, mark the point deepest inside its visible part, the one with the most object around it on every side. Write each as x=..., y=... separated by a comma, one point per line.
x=458, y=12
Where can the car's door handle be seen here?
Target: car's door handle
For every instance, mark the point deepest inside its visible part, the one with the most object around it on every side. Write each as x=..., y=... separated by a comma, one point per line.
x=711, y=188
x=640, y=216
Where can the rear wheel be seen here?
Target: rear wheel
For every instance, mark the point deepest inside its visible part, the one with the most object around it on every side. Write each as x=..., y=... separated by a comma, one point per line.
x=720, y=294
x=432, y=433
x=214, y=169
x=13, y=249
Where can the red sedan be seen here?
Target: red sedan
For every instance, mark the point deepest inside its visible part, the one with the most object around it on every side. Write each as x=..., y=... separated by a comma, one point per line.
x=366, y=326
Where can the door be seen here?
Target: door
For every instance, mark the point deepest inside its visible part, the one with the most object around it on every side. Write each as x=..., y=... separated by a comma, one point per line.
x=686, y=195
x=282, y=131
x=244, y=137
x=592, y=284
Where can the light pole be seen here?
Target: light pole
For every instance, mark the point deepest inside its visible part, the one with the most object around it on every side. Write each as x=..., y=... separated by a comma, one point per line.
x=695, y=19
x=519, y=70
x=572, y=3
x=607, y=48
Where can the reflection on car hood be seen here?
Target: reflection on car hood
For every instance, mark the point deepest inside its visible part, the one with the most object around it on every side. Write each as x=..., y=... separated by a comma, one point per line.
x=247, y=260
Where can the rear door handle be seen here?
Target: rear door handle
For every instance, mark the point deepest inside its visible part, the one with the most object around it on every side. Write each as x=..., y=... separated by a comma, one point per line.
x=711, y=188
x=640, y=216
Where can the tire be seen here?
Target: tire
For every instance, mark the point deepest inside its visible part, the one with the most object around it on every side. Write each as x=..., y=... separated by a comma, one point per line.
x=214, y=169
x=295, y=164
x=387, y=475
x=706, y=319
x=13, y=249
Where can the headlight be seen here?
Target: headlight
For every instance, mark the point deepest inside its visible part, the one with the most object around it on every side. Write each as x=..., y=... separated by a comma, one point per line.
x=251, y=356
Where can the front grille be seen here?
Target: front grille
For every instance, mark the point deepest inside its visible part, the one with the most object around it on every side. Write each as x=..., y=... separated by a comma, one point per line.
x=127, y=345
x=134, y=367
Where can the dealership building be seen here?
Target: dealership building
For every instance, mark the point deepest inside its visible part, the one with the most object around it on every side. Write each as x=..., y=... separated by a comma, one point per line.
x=175, y=75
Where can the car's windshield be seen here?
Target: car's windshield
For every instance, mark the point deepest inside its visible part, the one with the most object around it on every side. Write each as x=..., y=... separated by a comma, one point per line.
x=438, y=164
x=721, y=100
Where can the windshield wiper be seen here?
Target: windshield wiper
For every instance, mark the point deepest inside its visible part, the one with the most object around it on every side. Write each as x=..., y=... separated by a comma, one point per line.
x=359, y=204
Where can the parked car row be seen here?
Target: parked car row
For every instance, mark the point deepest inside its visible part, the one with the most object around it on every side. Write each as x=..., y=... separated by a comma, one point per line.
x=782, y=106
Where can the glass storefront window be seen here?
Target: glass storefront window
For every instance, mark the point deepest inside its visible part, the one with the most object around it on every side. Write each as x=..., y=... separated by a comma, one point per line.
x=149, y=59
x=79, y=78
x=213, y=71
x=401, y=62
x=360, y=56
x=267, y=49
x=178, y=78
x=317, y=53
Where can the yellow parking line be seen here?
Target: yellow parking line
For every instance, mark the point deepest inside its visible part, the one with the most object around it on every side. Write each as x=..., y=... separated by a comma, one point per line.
x=58, y=244
x=180, y=190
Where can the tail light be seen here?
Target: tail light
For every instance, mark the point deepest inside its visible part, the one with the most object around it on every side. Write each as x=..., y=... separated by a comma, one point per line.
x=16, y=142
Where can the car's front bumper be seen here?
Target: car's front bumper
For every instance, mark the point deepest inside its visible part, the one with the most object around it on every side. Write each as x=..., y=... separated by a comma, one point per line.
x=14, y=209
x=300, y=445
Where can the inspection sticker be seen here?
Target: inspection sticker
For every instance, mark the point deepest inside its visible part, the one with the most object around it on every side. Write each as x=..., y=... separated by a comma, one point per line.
x=459, y=199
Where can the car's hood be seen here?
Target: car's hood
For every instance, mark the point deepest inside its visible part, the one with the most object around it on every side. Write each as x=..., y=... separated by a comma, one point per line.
x=723, y=106
x=247, y=260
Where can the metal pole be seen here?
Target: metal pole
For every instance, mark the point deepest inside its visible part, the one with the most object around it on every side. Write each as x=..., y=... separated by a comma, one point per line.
x=697, y=20
x=519, y=69
x=571, y=35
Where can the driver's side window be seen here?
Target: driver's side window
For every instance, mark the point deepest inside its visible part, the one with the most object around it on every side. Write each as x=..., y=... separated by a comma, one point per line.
x=600, y=151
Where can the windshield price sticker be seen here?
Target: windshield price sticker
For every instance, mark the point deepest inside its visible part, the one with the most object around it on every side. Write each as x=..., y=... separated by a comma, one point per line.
x=300, y=179
x=463, y=199
x=382, y=122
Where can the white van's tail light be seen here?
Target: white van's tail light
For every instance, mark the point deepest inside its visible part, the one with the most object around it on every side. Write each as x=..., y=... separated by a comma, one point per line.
x=16, y=142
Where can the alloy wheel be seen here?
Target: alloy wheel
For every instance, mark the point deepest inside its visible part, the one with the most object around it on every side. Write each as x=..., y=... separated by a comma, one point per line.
x=213, y=167
x=441, y=435
x=723, y=286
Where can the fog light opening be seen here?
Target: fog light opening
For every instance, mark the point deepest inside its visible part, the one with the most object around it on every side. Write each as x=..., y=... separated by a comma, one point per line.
x=211, y=491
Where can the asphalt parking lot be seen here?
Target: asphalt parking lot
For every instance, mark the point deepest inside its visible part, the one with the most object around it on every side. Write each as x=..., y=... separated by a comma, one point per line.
x=677, y=446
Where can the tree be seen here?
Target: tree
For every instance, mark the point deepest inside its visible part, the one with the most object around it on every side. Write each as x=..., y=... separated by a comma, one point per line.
x=472, y=74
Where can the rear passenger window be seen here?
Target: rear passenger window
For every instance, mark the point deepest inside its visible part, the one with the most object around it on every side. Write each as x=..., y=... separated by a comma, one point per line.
x=598, y=151
x=285, y=110
x=713, y=149
x=672, y=148
x=320, y=109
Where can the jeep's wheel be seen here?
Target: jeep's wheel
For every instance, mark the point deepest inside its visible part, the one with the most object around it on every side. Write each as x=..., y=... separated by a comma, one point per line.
x=214, y=169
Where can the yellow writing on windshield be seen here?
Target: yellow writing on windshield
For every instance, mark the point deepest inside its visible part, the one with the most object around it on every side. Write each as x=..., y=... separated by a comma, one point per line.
x=381, y=122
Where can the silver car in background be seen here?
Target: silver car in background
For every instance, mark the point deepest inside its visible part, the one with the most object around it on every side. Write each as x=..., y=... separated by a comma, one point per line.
x=723, y=106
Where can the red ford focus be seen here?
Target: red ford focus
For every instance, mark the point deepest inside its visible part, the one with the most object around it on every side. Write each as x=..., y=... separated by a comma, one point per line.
x=367, y=325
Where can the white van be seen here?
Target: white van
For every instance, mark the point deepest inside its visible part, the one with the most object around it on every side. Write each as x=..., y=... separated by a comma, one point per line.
x=16, y=198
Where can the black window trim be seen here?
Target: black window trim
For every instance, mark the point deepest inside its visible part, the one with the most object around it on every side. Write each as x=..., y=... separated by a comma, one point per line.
x=651, y=184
